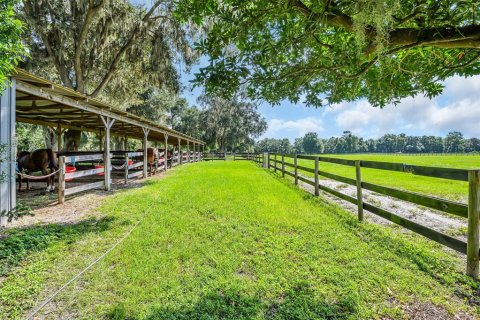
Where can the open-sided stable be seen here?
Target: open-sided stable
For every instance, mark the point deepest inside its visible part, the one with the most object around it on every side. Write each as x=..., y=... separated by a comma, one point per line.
x=35, y=100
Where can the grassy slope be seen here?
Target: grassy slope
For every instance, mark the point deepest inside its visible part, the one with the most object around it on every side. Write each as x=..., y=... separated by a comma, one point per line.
x=448, y=189
x=227, y=240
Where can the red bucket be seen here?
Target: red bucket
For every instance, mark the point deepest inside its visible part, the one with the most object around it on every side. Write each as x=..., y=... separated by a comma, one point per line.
x=70, y=169
x=100, y=166
x=130, y=162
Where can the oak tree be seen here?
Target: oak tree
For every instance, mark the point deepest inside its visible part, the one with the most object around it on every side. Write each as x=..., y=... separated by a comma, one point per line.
x=329, y=51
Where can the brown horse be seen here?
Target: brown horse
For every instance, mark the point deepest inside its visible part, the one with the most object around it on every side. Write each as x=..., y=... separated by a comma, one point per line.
x=152, y=154
x=38, y=160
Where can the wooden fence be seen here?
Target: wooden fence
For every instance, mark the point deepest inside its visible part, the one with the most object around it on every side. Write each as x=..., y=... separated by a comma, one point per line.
x=195, y=156
x=215, y=156
x=127, y=161
x=63, y=175
x=243, y=156
x=470, y=211
x=129, y=165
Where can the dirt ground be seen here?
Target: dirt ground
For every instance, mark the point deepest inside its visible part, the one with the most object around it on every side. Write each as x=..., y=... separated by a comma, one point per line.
x=446, y=223
x=46, y=209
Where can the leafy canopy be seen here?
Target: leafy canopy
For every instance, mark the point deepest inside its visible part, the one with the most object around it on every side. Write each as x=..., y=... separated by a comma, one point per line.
x=336, y=50
x=11, y=47
x=230, y=124
x=108, y=48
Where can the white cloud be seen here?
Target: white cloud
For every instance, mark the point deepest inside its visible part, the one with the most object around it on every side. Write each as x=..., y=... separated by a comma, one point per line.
x=458, y=108
x=281, y=128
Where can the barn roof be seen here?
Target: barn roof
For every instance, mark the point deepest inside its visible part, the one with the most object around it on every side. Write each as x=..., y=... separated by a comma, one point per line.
x=40, y=101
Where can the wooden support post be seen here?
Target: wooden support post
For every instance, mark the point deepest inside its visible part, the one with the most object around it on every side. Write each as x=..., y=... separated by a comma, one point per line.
x=283, y=165
x=108, y=123
x=179, y=151
x=275, y=163
x=125, y=143
x=61, y=180
x=188, y=151
x=59, y=137
x=268, y=160
x=126, y=168
x=316, y=177
x=145, y=152
x=165, y=156
x=295, y=161
x=473, y=223
x=358, y=165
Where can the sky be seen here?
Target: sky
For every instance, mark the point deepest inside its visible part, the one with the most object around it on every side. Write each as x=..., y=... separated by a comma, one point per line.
x=456, y=109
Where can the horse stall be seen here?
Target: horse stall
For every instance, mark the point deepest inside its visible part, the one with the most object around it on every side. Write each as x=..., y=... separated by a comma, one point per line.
x=33, y=100
x=88, y=173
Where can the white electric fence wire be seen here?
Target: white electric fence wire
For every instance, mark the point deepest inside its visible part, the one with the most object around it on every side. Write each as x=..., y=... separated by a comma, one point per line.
x=49, y=299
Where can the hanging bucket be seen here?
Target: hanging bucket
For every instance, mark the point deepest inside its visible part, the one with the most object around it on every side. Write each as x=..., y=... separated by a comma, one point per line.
x=70, y=169
x=100, y=166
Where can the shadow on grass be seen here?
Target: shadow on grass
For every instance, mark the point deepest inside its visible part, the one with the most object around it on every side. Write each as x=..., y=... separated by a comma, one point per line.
x=299, y=302
x=17, y=244
x=38, y=198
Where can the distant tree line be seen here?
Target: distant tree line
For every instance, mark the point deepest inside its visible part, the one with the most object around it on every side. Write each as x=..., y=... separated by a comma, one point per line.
x=453, y=142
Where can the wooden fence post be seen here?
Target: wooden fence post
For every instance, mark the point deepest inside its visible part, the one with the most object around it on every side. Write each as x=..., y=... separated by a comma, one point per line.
x=61, y=180
x=473, y=223
x=145, y=152
x=283, y=165
x=358, y=174
x=165, y=160
x=296, y=168
x=180, y=155
x=275, y=163
x=268, y=160
x=107, y=162
x=126, y=168
x=316, y=177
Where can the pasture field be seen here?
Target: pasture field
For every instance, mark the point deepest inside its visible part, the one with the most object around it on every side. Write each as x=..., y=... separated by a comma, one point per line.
x=447, y=189
x=228, y=240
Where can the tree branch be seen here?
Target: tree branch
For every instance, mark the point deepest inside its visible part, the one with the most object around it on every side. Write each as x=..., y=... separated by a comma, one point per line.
x=119, y=55
x=440, y=37
x=92, y=11
x=57, y=61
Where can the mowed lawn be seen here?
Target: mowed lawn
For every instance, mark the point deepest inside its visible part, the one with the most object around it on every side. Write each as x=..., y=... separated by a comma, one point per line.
x=228, y=240
x=448, y=189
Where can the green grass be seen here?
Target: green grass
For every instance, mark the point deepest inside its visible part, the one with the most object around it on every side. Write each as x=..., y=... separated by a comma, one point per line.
x=227, y=240
x=448, y=189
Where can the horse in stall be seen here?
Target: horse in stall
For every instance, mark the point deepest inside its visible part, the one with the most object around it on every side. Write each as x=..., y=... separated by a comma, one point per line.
x=152, y=155
x=38, y=160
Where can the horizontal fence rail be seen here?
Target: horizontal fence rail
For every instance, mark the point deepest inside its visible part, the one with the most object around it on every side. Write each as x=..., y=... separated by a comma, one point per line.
x=127, y=161
x=471, y=211
x=243, y=156
x=66, y=176
x=210, y=156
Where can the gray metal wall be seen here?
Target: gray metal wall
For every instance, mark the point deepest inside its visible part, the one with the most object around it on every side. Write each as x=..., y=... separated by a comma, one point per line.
x=7, y=136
